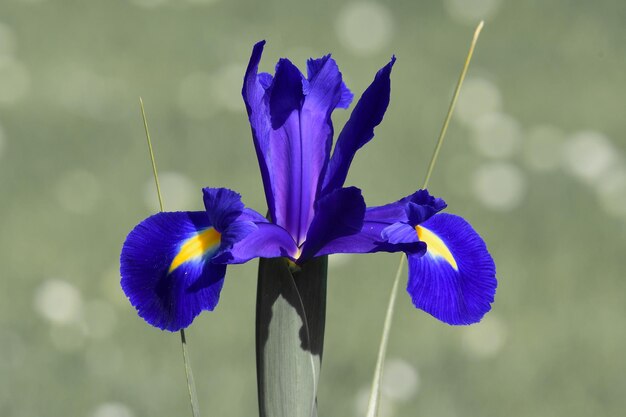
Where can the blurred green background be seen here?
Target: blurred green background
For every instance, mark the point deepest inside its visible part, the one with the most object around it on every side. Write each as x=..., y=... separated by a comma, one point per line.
x=534, y=159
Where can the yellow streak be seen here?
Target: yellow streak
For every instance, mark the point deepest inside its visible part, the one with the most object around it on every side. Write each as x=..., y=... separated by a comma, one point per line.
x=435, y=245
x=196, y=247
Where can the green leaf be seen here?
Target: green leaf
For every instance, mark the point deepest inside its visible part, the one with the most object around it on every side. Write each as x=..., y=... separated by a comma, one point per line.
x=291, y=314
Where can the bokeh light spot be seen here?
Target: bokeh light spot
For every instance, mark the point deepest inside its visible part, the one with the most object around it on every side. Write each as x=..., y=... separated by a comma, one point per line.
x=484, y=339
x=385, y=406
x=14, y=80
x=588, y=155
x=112, y=409
x=478, y=97
x=8, y=42
x=542, y=148
x=400, y=380
x=612, y=192
x=497, y=135
x=471, y=11
x=58, y=301
x=179, y=192
x=499, y=186
x=365, y=27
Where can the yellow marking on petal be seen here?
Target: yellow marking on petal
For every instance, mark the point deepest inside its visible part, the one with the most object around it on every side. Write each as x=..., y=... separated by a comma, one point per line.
x=435, y=245
x=196, y=247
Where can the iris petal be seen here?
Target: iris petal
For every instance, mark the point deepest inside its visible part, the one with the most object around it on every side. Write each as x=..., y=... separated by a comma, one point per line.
x=164, y=270
x=388, y=229
x=286, y=92
x=313, y=68
x=257, y=106
x=455, y=281
x=223, y=206
x=359, y=129
x=399, y=233
x=337, y=214
x=300, y=139
x=267, y=241
x=369, y=240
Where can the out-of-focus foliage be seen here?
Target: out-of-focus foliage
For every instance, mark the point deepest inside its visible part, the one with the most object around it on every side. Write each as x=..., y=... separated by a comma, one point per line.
x=535, y=159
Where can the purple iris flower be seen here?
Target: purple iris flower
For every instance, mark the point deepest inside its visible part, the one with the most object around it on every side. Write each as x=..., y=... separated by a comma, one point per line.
x=173, y=264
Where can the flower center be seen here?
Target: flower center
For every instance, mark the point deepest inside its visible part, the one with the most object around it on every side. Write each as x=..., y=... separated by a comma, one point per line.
x=203, y=243
x=436, y=247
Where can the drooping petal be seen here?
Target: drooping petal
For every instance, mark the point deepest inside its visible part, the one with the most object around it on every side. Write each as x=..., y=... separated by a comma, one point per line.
x=359, y=129
x=388, y=229
x=399, y=233
x=257, y=106
x=455, y=281
x=223, y=206
x=412, y=209
x=369, y=240
x=165, y=268
x=337, y=214
x=267, y=241
x=422, y=206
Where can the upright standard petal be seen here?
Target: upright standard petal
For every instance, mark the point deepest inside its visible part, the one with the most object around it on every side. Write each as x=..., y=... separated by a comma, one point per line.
x=257, y=106
x=359, y=129
x=301, y=139
x=164, y=268
x=456, y=280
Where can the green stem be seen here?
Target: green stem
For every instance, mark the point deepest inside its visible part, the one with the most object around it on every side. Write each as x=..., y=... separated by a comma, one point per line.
x=191, y=386
x=455, y=96
x=372, y=408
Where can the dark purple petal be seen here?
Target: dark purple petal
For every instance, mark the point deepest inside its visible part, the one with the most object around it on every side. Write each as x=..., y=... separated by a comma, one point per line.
x=236, y=232
x=267, y=241
x=412, y=209
x=387, y=228
x=223, y=206
x=370, y=240
x=337, y=214
x=299, y=149
x=422, y=206
x=455, y=281
x=254, y=95
x=165, y=268
x=359, y=129
x=286, y=93
x=314, y=66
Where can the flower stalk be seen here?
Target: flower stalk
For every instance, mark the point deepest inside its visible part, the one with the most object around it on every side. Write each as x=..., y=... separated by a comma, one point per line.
x=290, y=320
